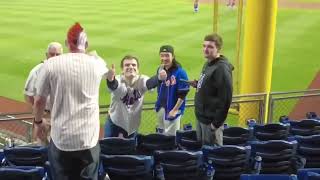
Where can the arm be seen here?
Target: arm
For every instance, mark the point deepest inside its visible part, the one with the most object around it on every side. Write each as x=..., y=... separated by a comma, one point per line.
x=224, y=85
x=152, y=82
x=38, y=108
x=183, y=89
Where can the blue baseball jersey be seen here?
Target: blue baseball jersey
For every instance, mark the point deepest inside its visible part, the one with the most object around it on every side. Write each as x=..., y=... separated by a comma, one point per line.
x=168, y=90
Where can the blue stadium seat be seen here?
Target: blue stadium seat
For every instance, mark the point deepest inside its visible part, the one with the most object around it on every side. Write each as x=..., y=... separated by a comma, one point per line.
x=1, y=157
x=306, y=127
x=236, y=136
x=180, y=164
x=118, y=146
x=21, y=173
x=278, y=156
x=133, y=167
x=312, y=115
x=26, y=155
x=309, y=148
x=271, y=132
x=304, y=174
x=229, y=161
x=147, y=144
x=267, y=177
x=187, y=140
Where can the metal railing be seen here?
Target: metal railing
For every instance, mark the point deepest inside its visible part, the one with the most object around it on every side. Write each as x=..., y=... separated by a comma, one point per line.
x=285, y=103
x=19, y=125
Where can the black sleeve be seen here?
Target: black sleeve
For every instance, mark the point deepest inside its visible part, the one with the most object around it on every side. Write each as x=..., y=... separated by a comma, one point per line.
x=113, y=85
x=182, y=94
x=152, y=82
x=223, y=78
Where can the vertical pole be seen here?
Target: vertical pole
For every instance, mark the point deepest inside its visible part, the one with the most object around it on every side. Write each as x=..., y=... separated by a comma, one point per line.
x=259, y=37
x=215, y=15
x=238, y=48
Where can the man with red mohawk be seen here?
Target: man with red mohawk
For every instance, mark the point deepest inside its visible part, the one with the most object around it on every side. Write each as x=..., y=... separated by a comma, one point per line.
x=72, y=80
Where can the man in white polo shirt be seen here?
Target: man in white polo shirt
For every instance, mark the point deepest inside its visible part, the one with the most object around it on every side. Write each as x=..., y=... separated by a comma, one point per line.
x=54, y=49
x=72, y=80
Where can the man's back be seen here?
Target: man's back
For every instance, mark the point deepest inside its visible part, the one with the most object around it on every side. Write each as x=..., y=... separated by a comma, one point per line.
x=73, y=80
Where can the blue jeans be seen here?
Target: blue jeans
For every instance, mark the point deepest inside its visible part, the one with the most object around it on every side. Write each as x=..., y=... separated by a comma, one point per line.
x=70, y=165
x=112, y=130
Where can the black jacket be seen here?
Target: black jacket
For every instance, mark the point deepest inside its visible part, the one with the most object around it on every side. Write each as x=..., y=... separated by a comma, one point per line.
x=214, y=92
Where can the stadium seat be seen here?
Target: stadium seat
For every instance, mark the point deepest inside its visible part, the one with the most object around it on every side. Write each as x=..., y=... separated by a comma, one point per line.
x=229, y=161
x=304, y=174
x=26, y=156
x=271, y=132
x=236, y=136
x=133, y=167
x=118, y=146
x=267, y=177
x=147, y=144
x=180, y=165
x=187, y=140
x=278, y=156
x=21, y=173
x=306, y=127
x=309, y=148
x=312, y=115
x=1, y=157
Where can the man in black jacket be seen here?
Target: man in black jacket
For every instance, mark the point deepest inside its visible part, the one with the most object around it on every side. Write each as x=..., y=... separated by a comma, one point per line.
x=214, y=92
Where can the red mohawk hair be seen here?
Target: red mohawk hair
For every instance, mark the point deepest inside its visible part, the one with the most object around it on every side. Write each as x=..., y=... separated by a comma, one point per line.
x=73, y=35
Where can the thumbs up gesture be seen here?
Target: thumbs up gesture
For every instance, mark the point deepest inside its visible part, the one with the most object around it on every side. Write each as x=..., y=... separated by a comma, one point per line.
x=111, y=73
x=162, y=74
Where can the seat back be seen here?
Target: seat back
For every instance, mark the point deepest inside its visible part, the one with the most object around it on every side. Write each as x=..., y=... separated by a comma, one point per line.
x=312, y=115
x=236, y=136
x=309, y=148
x=118, y=146
x=277, y=156
x=128, y=166
x=187, y=140
x=180, y=164
x=271, y=132
x=229, y=161
x=305, y=127
x=21, y=173
x=267, y=177
x=147, y=144
x=304, y=173
x=26, y=155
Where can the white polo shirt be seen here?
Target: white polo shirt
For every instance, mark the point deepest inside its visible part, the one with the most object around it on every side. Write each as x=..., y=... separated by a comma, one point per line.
x=72, y=80
x=29, y=88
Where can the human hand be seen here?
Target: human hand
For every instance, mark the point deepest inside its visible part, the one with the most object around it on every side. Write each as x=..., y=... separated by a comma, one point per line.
x=162, y=74
x=111, y=73
x=172, y=114
x=40, y=130
x=193, y=83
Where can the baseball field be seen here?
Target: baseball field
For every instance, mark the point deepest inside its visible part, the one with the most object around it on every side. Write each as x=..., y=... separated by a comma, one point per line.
x=119, y=27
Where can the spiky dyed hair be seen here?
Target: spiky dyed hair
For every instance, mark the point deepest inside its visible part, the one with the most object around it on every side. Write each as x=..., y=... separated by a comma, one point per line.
x=76, y=37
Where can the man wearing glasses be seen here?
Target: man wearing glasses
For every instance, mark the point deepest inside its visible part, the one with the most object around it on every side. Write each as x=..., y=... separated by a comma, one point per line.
x=54, y=49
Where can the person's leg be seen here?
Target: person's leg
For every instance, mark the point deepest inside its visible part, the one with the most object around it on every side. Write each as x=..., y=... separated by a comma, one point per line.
x=90, y=163
x=60, y=163
x=205, y=134
x=218, y=136
x=171, y=127
x=161, y=116
x=196, y=6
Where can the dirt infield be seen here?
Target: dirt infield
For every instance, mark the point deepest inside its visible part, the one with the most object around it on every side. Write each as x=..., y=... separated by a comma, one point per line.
x=282, y=4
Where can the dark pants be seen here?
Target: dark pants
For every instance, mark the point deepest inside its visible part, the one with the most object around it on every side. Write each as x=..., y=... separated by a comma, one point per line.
x=74, y=165
x=112, y=130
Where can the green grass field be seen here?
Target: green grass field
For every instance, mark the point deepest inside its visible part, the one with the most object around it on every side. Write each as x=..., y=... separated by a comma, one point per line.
x=117, y=28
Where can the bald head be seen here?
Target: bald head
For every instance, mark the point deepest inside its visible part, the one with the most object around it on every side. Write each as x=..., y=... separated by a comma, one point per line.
x=54, y=49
